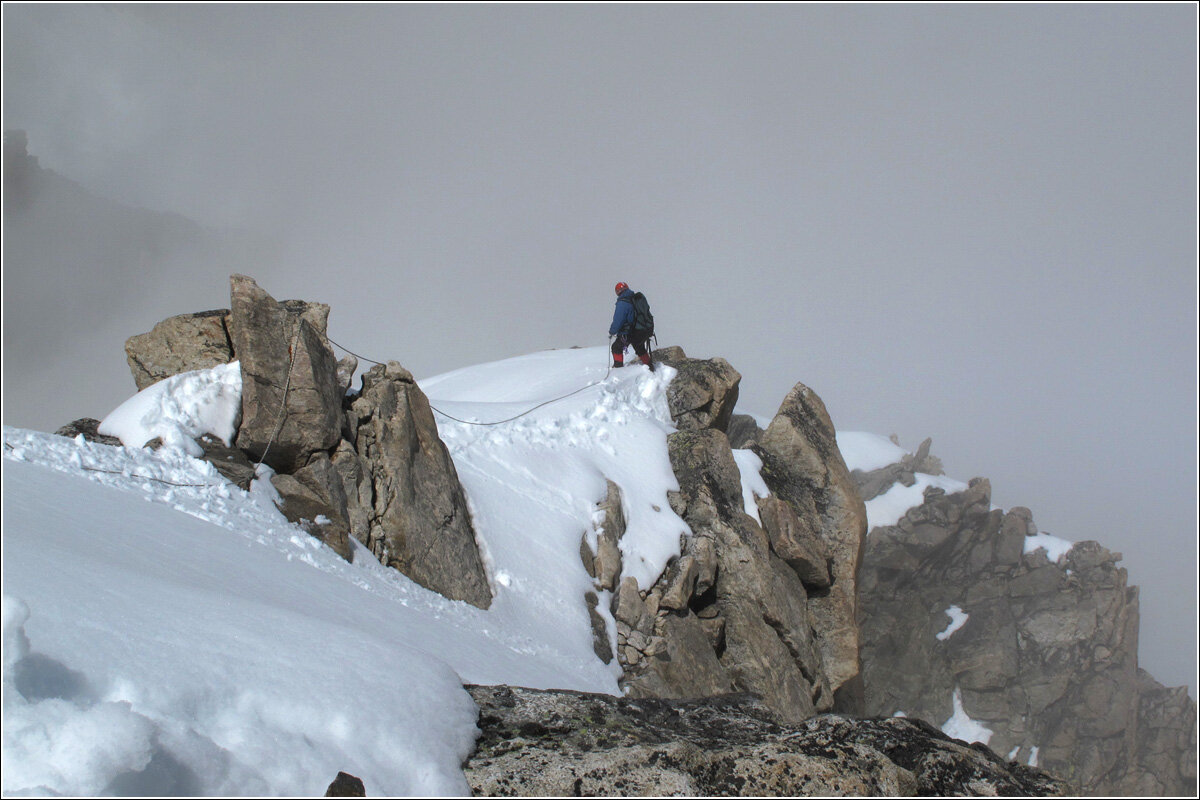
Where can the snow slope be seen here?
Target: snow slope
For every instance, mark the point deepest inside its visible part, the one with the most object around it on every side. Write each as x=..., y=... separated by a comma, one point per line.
x=165, y=632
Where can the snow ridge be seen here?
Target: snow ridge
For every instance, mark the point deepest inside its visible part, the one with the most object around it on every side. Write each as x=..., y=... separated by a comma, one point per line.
x=204, y=645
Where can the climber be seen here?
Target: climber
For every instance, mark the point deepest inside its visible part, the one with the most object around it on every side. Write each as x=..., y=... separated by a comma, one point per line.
x=632, y=324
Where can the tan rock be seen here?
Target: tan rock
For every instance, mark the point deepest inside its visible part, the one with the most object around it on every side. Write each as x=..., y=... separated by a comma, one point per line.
x=291, y=402
x=419, y=512
x=803, y=466
x=179, y=344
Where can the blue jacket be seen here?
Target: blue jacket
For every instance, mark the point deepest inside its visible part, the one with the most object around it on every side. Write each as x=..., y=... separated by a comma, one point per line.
x=623, y=315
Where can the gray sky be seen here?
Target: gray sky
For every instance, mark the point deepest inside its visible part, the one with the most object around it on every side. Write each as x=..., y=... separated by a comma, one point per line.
x=976, y=223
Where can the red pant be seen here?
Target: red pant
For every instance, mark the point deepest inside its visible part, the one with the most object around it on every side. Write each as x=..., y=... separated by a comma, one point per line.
x=639, y=347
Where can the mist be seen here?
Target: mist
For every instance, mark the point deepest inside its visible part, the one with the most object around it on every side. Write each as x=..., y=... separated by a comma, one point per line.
x=972, y=223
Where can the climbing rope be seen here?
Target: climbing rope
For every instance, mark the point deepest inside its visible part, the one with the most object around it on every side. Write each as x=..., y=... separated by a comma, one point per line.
x=496, y=422
x=279, y=417
x=530, y=411
x=351, y=352
x=283, y=400
x=123, y=473
x=148, y=478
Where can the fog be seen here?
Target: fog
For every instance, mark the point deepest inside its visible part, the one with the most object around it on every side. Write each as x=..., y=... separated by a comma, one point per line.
x=975, y=223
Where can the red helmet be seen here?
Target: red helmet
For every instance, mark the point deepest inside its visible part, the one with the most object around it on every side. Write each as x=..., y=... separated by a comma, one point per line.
x=622, y=286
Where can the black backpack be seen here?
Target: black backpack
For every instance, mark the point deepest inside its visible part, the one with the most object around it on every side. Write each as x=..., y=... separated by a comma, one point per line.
x=643, y=320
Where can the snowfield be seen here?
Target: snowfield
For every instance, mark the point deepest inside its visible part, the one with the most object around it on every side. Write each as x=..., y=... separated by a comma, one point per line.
x=167, y=633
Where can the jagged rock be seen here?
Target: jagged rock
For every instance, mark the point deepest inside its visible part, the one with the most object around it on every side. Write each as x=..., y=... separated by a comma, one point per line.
x=291, y=402
x=418, y=517
x=803, y=466
x=730, y=614
x=561, y=743
x=703, y=463
x=703, y=393
x=1166, y=744
x=87, y=428
x=1047, y=657
x=743, y=431
x=682, y=662
x=346, y=785
x=315, y=498
x=179, y=344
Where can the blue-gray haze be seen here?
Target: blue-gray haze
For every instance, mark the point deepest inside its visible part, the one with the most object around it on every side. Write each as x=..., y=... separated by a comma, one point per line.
x=976, y=223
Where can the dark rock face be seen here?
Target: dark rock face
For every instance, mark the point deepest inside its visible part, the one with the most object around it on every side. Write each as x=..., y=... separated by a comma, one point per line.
x=1047, y=659
x=87, y=428
x=291, y=404
x=559, y=743
x=229, y=461
x=179, y=344
x=743, y=431
x=418, y=520
x=346, y=785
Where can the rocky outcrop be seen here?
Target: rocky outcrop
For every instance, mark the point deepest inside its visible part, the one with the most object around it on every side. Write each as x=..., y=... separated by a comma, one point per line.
x=559, y=743
x=703, y=393
x=803, y=466
x=291, y=404
x=418, y=520
x=371, y=467
x=735, y=611
x=603, y=560
x=179, y=344
x=1046, y=655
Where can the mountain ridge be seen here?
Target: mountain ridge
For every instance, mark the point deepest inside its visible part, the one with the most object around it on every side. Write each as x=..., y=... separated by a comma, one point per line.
x=619, y=522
